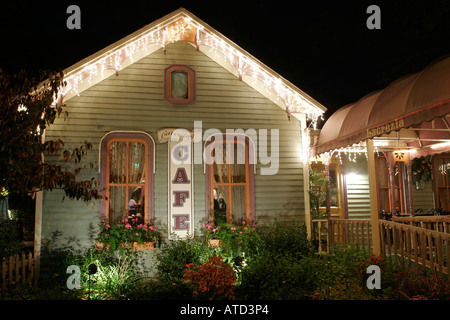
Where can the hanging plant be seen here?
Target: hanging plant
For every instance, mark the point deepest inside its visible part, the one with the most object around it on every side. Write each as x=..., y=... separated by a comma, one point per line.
x=421, y=169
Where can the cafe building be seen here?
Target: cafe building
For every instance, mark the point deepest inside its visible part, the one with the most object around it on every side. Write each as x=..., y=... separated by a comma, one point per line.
x=187, y=128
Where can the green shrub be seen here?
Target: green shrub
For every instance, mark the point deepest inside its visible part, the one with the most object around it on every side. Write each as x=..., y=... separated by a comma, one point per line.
x=113, y=281
x=175, y=255
x=116, y=275
x=10, y=238
x=279, y=277
x=282, y=239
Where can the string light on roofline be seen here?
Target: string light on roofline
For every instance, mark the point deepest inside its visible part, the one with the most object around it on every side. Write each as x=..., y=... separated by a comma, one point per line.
x=185, y=29
x=351, y=152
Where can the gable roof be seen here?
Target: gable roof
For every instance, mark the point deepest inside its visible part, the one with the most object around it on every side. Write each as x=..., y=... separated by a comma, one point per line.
x=181, y=25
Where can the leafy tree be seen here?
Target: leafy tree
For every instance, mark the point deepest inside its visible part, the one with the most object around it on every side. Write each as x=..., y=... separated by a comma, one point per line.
x=29, y=106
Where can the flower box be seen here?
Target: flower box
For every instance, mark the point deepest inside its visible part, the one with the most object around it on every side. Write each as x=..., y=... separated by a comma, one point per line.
x=214, y=243
x=132, y=246
x=143, y=246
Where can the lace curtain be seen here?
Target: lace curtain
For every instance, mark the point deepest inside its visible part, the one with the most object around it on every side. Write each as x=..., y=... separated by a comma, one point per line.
x=229, y=183
x=126, y=179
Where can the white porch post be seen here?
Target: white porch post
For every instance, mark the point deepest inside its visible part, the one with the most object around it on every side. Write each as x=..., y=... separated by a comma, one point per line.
x=408, y=168
x=373, y=198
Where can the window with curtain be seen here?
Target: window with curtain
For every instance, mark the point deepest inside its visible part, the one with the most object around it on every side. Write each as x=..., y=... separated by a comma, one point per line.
x=441, y=169
x=383, y=184
x=229, y=176
x=126, y=180
x=385, y=187
x=398, y=187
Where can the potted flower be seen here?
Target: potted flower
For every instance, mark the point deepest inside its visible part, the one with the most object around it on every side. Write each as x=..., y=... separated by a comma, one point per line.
x=127, y=233
x=226, y=234
x=421, y=170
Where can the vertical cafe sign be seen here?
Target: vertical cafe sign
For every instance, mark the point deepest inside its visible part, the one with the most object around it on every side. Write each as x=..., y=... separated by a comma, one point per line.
x=180, y=186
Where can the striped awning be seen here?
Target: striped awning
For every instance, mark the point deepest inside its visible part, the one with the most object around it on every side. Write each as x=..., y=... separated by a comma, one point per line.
x=404, y=104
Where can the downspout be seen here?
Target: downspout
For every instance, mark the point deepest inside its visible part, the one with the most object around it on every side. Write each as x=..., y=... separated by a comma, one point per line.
x=305, y=155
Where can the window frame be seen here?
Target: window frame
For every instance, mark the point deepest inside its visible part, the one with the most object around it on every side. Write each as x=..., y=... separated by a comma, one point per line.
x=388, y=180
x=437, y=186
x=250, y=214
x=391, y=188
x=334, y=166
x=149, y=170
x=168, y=84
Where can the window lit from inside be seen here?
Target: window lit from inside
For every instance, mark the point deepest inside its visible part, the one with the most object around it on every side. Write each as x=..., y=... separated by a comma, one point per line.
x=230, y=185
x=442, y=181
x=126, y=181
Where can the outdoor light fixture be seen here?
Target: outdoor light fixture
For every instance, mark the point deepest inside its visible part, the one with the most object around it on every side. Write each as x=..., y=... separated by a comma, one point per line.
x=92, y=269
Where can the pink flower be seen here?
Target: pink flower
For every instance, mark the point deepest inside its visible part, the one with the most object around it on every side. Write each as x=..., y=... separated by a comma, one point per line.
x=128, y=226
x=152, y=228
x=108, y=226
x=233, y=229
x=137, y=233
x=243, y=222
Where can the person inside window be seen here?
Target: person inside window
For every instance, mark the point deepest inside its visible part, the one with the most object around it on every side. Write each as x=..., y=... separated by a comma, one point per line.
x=135, y=205
x=220, y=208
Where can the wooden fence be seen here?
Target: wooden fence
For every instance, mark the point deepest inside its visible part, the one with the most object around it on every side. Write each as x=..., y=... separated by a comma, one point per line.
x=415, y=246
x=334, y=231
x=16, y=270
x=357, y=232
x=413, y=242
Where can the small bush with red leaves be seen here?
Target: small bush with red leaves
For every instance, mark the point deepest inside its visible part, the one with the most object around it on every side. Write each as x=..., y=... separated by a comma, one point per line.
x=212, y=280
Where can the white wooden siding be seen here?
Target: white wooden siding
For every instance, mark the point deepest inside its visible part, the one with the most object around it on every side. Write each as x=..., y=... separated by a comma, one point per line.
x=133, y=100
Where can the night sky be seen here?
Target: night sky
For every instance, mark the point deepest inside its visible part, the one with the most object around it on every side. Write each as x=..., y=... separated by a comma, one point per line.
x=324, y=48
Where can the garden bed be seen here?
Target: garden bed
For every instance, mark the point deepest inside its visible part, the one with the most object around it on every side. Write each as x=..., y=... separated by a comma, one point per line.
x=277, y=263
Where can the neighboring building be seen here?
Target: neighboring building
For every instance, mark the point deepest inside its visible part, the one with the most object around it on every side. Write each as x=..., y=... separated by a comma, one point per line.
x=179, y=73
x=400, y=138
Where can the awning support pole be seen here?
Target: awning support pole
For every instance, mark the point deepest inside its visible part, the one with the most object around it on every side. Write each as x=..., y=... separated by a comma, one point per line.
x=376, y=247
x=408, y=168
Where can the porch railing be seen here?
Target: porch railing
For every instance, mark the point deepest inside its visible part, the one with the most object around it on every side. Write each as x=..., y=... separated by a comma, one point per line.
x=414, y=242
x=348, y=231
x=437, y=223
x=415, y=246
